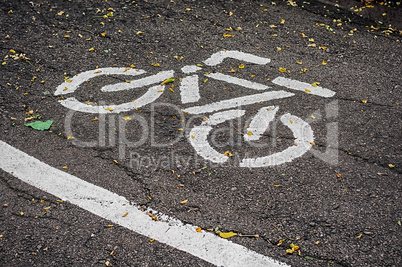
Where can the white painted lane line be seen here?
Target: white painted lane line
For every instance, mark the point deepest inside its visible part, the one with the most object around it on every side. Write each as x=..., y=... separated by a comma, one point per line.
x=259, y=124
x=199, y=135
x=151, y=95
x=304, y=137
x=111, y=206
x=237, y=81
x=239, y=101
x=157, y=78
x=304, y=87
x=218, y=57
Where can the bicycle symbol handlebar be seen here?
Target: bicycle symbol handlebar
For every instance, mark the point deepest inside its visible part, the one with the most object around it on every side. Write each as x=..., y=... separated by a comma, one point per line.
x=190, y=93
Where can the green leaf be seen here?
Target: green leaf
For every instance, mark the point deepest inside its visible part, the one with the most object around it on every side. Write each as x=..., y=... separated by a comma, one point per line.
x=170, y=80
x=40, y=125
x=399, y=223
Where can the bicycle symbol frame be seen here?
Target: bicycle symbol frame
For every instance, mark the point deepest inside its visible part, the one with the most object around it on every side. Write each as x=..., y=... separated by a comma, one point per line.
x=190, y=93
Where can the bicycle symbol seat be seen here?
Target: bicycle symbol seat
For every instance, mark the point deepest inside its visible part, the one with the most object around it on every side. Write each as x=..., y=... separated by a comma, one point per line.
x=190, y=93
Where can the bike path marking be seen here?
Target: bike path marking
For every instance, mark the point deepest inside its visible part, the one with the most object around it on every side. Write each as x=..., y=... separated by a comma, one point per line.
x=199, y=135
x=112, y=206
x=260, y=123
x=304, y=87
x=218, y=57
x=304, y=137
x=239, y=101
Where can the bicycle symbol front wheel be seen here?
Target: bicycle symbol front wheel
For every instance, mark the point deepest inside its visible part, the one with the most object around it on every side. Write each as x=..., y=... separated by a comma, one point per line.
x=301, y=130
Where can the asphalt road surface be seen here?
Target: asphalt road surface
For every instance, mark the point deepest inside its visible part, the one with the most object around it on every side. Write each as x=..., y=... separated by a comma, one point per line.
x=200, y=133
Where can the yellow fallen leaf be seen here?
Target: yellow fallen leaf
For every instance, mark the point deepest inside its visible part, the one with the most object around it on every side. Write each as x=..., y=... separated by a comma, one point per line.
x=184, y=201
x=91, y=49
x=227, y=153
x=109, y=109
x=95, y=119
x=125, y=214
x=139, y=32
x=291, y=121
x=282, y=70
x=298, y=62
x=47, y=208
x=65, y=167
x=391, y=166
x=180, y=129
x=278, y=49
x=359, y=236
x=311, y=39
x=228, y=35
x=127, y=118
x=70, y=137
x=364, y=101
x=115, y=161
x=307, y=90
x=152, y=240
x=241, y=66
x=198, y=229
x=324, y=63
x=303, y=35
x=249, y=133
x=227, y=235
x=313, y=117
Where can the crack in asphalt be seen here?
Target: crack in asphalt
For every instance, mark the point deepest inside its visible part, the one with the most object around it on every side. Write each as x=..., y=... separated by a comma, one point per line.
x=366, y=104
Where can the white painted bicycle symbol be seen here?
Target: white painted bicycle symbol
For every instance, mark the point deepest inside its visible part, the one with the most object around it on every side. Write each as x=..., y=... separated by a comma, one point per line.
x=190, y=93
